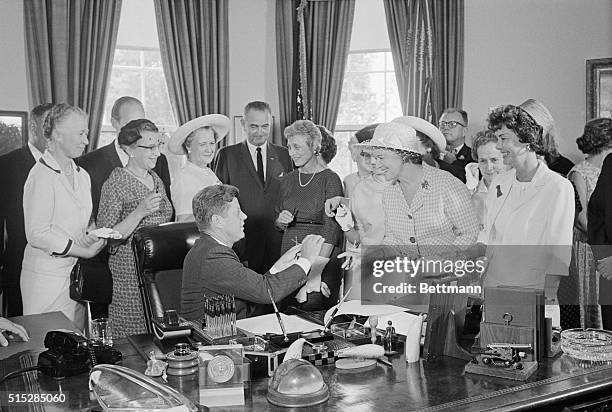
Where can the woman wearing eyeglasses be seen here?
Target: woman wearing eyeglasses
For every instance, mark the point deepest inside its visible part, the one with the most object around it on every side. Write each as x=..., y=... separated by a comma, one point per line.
x=132, y=197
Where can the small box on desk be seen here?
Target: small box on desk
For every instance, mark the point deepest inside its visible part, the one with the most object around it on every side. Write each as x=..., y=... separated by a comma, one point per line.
x=221, y=381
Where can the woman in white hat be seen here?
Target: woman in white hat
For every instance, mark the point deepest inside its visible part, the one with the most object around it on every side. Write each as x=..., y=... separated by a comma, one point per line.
x=197, y=139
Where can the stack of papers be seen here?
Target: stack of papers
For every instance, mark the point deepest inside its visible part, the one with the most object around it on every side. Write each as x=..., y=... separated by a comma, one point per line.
x=260, y=325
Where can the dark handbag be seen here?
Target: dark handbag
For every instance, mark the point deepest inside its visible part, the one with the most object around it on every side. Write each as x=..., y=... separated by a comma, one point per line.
x=91, y=281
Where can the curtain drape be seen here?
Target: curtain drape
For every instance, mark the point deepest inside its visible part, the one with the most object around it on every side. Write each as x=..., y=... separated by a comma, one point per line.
x=427, y=45
x=70, y=46
x=447, y=84
x=286, y=64
x=328, y=35
x=193, y=37
x=327, y=27
x=409, y=23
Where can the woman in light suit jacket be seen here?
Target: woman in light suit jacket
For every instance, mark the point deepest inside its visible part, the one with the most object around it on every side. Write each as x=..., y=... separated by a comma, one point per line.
x=57, y=211
x=529, y=208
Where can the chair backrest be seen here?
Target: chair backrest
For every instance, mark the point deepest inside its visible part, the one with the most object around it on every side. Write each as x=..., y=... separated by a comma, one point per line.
x=159, y=252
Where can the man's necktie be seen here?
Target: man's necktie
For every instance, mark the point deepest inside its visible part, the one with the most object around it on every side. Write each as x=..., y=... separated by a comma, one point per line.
x=260, y=169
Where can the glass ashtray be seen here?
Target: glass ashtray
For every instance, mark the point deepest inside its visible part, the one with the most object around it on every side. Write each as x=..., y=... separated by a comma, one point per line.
x=587, y=344
x=348, y=330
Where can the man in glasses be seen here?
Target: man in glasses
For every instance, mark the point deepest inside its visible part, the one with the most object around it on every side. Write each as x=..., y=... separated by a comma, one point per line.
x=453, y=124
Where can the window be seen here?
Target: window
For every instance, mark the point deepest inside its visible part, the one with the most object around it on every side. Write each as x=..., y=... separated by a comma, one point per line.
x=369, y=91
x=138, y=72
x=137, y=69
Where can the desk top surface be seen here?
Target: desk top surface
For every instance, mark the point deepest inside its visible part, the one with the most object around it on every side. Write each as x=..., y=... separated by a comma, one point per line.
x=430, y=385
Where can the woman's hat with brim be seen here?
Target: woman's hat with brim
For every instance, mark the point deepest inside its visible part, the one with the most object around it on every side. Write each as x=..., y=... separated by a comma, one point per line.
x=423, y=126
x=395, y=136
x=218, y=122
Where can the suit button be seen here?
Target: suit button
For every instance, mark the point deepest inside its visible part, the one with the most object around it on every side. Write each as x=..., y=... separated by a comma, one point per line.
x=412, y=239
x=410, y=217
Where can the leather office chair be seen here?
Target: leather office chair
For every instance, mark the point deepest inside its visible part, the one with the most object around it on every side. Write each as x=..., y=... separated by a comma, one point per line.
x=159, y=252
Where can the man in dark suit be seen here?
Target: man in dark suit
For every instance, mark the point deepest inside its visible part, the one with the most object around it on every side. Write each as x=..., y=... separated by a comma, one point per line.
x=15, y=168
x=212, y=268
x=101, y=162
x=454, y=125
x=254, y=167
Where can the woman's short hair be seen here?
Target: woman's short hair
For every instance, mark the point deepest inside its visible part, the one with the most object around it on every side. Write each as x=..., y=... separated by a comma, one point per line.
x=56, y=115
x=305, y=128
x=329, y=148
x=520, y=122
x=212, y=200
x=366, y=133
x=189, y=139
x=597, y=136
x=131, y=132
x=480, y=139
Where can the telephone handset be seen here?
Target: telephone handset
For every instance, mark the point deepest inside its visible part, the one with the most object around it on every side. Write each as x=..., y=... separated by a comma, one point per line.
x=70, y=354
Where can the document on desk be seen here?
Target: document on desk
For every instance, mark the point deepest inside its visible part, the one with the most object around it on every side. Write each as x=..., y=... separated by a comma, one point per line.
x=260, y=325
x=354, y=307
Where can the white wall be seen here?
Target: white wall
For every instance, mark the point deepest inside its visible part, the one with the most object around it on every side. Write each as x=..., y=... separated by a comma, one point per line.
x=523, y=49
x=252, y=55
x=14, y=94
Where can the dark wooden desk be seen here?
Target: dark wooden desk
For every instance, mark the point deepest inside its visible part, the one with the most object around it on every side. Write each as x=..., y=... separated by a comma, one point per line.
x=438, y=385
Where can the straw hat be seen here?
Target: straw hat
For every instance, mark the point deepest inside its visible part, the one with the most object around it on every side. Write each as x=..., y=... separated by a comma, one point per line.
x=218, y=122
x=423, y=126
x=394, y=135
x=539, y=113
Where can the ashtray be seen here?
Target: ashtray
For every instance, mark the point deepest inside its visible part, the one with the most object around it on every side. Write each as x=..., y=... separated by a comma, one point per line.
x=587, y=344
x=348, y=330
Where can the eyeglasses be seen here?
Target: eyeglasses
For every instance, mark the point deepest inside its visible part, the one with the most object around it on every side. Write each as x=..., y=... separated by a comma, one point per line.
x=151, y=148
x=451, y=125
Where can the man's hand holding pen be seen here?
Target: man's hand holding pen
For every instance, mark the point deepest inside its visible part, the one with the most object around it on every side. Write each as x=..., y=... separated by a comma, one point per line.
x=310, y=249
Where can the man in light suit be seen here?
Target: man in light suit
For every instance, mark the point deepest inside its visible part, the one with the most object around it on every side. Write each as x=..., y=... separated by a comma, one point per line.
x=212, y=268
x=101, y=162
x=15, y=168
x=254, y=167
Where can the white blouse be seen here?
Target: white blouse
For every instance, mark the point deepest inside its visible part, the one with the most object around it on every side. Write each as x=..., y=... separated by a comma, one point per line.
x=188, y=181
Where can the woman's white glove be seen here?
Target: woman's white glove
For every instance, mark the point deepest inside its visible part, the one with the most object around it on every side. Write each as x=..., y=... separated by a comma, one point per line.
x=344, y=217
x=314, y=284
x=352, y=255
x=471, y=175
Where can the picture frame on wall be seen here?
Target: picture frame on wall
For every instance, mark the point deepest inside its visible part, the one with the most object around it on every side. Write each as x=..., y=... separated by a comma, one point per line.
x=239, y=135
x=13, y=130
x=599, y=88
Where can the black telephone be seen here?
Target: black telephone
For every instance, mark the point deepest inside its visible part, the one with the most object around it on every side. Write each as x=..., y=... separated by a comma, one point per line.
x=71, y=354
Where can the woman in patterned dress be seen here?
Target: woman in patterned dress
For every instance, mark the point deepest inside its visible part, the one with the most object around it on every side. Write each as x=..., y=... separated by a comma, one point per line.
x=428, y=212
x=596, y=144
x=197, y=139
x=301, y=212
x=132, y=197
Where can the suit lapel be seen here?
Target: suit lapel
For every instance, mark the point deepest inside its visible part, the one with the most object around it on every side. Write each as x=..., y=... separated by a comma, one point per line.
x=248, y=161
x=111, y=155
x=539, y=181
x=274, y=169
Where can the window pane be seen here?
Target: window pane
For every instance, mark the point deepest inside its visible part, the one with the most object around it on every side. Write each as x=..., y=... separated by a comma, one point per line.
x=126, y=57
x=394, y=107
x=362, y=100
x=156, y=99
x=366, y=62
x=123, y=82
x=342, y=164
x=152, y=58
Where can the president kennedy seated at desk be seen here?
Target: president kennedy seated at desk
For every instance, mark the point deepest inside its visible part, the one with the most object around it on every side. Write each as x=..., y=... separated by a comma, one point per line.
x=212, y=268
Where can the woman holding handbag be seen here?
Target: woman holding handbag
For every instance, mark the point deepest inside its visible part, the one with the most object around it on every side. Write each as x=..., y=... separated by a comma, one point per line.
x=57, y=210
